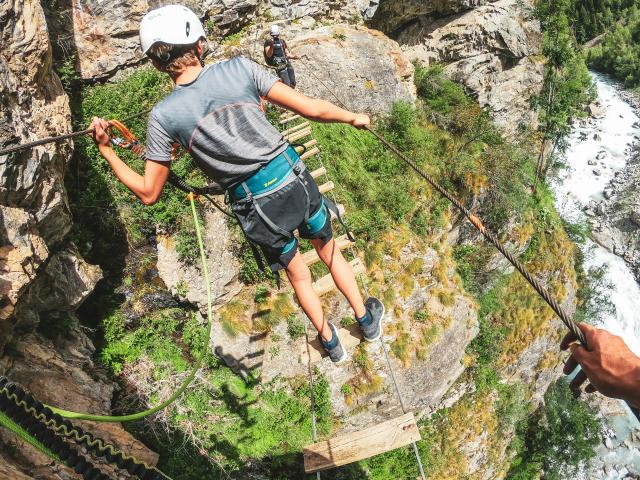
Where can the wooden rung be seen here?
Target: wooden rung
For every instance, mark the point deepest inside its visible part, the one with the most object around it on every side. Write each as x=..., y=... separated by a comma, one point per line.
x=310, y=153
x=326, y=187
x=298, y=127
x=318, y=172
x=350, y=338
x=341, y=209
x=325, y=284
x=311, y=256
x=307, y=146
x=366, y=443
x=284, y=120
x=298, y=135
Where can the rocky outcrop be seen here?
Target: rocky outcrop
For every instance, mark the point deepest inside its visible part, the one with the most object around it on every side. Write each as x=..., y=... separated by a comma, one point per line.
x=359, y=66
x=103, y=36
x=492, y=50
x=33, y=105
x=43, y=277
x=393, y=16
x=185, y=281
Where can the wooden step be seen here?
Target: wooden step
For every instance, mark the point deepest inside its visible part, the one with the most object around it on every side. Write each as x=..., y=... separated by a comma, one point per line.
x=318, y=172
x=326, y=187
x=307, y=145
x=325, y=284
x=366, y=443
x=284, y=119
x=341, y=209
x=350, y=338
x=310, y=153
x=311, y=256
x=295, y=128
x=298, y=135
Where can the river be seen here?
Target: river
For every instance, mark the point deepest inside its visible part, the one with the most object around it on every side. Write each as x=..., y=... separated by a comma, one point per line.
x=602, y=145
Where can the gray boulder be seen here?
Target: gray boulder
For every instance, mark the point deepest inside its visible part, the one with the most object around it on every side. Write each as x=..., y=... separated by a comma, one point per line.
x=492, y=50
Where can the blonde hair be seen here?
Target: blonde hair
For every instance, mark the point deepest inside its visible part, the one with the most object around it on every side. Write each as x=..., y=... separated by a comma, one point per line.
x=178, y=57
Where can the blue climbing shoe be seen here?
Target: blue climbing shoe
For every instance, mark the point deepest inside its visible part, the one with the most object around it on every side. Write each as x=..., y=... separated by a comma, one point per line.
x=334, y=347
x=371, y=322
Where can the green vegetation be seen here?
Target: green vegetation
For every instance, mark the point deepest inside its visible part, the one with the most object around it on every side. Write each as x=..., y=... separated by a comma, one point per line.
x=542, y=445
x=591, y=18
x=619, y=51
x=567, y=86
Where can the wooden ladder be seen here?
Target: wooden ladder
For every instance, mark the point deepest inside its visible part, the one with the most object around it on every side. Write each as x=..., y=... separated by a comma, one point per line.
x=295, y=133
x=378, y=439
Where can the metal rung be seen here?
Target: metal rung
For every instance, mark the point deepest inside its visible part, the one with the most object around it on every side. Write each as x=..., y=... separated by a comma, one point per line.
x=326, y=187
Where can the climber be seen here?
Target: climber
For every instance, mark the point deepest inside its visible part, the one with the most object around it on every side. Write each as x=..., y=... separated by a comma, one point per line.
x=610, y=366
x=215, y=113
x=277, y=55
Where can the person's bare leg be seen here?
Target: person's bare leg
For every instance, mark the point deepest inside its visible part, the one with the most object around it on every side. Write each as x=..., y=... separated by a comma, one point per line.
x=300, y=278
x=342, y=274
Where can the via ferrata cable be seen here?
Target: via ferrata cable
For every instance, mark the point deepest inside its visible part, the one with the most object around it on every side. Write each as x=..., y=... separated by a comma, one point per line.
x=60, y=138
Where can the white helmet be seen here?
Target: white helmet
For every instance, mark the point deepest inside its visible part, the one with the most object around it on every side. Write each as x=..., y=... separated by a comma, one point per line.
x=275, y=30
x=173, y=25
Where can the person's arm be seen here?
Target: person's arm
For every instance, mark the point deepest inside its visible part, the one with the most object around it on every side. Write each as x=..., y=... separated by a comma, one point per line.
x=268, y=48
x=610, y=366
x=289, y=54
x=314, y=109
x=148, y=187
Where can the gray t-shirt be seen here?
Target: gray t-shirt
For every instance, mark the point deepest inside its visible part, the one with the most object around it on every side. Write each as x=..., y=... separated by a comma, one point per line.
x=218, y=118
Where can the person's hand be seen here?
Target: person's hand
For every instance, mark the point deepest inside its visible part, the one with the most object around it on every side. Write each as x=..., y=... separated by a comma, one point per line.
x=101, y=135
x=360, y=120
x=610, y=366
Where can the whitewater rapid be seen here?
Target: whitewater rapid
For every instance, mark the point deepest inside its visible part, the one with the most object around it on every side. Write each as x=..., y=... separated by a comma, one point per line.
x=603, y=145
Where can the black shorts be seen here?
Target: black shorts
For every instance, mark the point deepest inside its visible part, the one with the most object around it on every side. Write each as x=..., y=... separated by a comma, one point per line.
x=286, y=208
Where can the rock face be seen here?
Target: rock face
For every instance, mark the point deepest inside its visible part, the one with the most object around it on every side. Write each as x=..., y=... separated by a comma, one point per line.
x=492, y=50
x=35, y=214
x=103, y=35
x=392, y=16
x=43, y=277
x=185, y=281
x=361, y=67
x=55, y=371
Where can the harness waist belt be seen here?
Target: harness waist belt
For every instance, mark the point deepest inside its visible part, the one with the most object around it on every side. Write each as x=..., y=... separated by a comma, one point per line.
x=269, y=177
